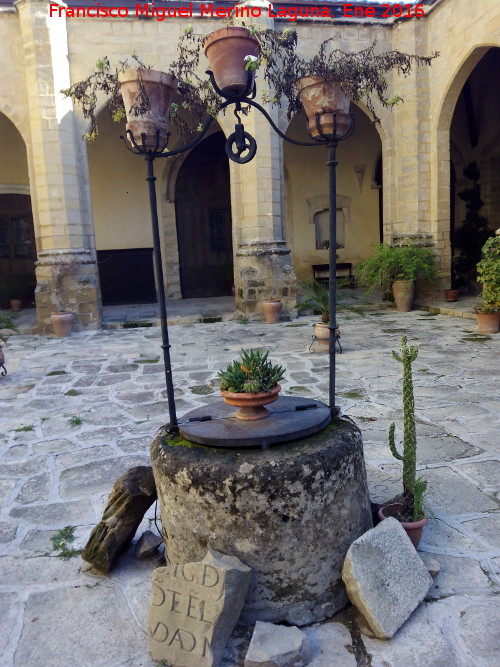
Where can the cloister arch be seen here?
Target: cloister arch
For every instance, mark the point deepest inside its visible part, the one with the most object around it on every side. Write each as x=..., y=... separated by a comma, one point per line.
x=307, y=202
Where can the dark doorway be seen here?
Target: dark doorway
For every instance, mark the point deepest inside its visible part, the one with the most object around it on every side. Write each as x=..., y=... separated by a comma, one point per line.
x=17, y=249
x=203, y=214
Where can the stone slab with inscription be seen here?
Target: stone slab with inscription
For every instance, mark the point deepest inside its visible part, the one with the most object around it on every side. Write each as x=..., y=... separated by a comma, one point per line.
x=194, y=609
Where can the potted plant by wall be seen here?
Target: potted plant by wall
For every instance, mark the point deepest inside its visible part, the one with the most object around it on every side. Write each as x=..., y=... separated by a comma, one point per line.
x=410, y=512
x=326, y=83
x=250, y=383
x=62, y=320
x=272, y=307
x=488, y=273
x=18, y=288
x=398, y=267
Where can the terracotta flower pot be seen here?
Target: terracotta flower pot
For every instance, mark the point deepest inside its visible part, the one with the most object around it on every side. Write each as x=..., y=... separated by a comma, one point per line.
x=62, y=323
x=404, y=292
x=488, y=323
x=160, y=89
x=318, y=97
x=451, y=294
x=413, y=528
x=322, y=334
x=226, y=49
x=272, y=310
x=15, y=304
x=251, y=405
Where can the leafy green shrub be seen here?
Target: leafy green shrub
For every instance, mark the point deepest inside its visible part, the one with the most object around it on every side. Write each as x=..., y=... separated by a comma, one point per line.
x=488, y=273
x=390, y=263
x=251, y=374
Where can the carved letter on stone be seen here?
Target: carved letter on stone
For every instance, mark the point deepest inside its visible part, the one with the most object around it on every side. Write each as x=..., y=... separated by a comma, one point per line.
x=194, y=609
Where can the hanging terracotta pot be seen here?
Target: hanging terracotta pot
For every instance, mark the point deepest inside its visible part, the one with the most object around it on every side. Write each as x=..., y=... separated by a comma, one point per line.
x=324, y=99
x=226, y=49
x=488, y=323
x=413, y=528
x=251, y=405
x=62, y=323
x=404, y=292
x=272, y=310
x=160, y=89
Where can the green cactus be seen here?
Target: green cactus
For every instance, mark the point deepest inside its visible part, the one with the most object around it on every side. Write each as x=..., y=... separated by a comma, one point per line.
x=409, y=455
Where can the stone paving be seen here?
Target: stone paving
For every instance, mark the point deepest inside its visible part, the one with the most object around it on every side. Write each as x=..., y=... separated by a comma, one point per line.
x=77, y=412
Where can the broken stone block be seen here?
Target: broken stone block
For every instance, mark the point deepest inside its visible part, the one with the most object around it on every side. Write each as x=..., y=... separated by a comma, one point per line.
x=147, y=545
x=132, y=495
x=385, y=577
x=194, y=609
x=277, y=646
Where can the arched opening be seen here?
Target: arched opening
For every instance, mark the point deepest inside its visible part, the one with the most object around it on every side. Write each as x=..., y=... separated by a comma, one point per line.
x=17, y=236
x=359, y=193
x=203, y=219
x=474, y=167
x=122, y=224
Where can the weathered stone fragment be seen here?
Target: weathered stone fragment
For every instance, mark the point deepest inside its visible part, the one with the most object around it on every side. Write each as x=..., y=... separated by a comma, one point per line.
x=194, y=609
x=132, y=495
x=432, y=565
x=147, y=545
x=385, y=577
x=277, y=646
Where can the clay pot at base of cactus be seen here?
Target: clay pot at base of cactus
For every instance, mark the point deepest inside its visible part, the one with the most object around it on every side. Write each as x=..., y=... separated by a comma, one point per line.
x=158, y=89
x=404, y=292
x=488, y=323
x=413, y=528
x=62, y=324
x=324, y=99
x=272, y=310
x=226, y=50
x=251, y=405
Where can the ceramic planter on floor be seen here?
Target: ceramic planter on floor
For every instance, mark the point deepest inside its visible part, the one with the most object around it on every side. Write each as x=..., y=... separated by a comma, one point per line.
x=62, y=323
x=488, y=323
x=404, y=292
x=160, y=89
x=451, y=294
x=226, y=49
x=251, y=405
x=413, y=528
x=320, y=98
x=322, y=334
x=15, y=304
x=272, y=310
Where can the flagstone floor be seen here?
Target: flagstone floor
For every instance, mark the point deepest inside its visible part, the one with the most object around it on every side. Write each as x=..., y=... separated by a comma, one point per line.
x=76, y=413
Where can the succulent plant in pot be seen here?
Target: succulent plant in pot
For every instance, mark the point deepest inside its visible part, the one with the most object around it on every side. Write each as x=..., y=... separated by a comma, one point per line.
x=411, y=510
x=251, y=382
x=488, y=273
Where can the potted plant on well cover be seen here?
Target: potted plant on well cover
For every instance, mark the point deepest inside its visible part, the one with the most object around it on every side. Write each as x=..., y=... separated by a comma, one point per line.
x=326, y=83
x=488, y=273
x=398, y=267
x=410, y=512
x=250, y=383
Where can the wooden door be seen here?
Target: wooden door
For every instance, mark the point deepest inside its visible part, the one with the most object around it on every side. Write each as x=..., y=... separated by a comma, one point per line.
x=203, y=214
x=17, y=249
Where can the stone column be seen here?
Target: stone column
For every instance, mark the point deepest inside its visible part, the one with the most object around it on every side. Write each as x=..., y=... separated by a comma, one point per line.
x=66, y=269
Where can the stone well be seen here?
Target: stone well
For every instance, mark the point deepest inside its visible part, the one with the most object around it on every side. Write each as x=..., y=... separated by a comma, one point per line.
x=290, y=513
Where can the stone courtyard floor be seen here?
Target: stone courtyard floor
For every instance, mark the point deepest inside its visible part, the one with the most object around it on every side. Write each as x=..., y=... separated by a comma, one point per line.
x=76, y=413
